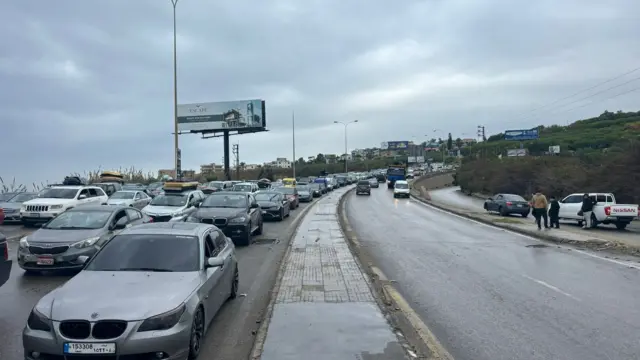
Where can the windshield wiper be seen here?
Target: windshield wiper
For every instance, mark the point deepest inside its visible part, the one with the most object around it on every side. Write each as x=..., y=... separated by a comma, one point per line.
x=71, y=228
x=145, y=269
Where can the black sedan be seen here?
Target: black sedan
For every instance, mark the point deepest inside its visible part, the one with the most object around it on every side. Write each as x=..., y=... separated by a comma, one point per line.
x=507, y=204
x=274, y=204
x=5, y=263
x=237, y=214
x=316, y=189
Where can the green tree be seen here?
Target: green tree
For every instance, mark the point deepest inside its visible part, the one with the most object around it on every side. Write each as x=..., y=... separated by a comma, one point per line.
x=459, y=143
x=320, y=159
x=301, y=161
x=449, y=142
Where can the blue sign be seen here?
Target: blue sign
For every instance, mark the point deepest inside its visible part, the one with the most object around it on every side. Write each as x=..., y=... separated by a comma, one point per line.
x=521, y=135
x=397, y=145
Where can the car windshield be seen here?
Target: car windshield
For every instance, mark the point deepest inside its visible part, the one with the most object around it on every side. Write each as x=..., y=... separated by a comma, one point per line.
x=158, y=252
x=363, y=182
x=124, y=195
x=303, y=188
x=20, y=198
x=215, y=184
x=154, y=186
x=514, y=197
x=287, y=190
x=80, y=219
x=314, y=186
x=268, y=196
x=243, y=188
x=6, y=196
x=402, y=186
x=225, y=200
x=169, y=200
x=59, y=193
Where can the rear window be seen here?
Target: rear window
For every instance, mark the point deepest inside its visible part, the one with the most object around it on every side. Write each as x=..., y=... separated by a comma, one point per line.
x=514, y=198
x=363, y=182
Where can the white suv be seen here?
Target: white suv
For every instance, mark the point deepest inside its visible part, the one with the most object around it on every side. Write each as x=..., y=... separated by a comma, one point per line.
x=57, y=199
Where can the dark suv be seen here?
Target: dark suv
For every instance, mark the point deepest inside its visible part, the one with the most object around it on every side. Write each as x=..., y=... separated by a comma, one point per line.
x=5, y=263
x=363, y=187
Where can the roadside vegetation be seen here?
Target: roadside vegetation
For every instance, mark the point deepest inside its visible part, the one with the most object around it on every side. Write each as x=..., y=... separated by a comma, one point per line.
x=600, y=154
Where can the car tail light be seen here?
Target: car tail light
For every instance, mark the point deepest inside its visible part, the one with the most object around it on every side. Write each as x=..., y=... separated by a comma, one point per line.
x=150, y=219
x=6, y=252
x=607, y=210
x=509, y=203
x=1, y=216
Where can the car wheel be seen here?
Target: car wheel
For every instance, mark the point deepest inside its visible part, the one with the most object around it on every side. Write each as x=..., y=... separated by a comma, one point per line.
x=525, y=215
x=245, y=240
x=502, y=211
x=197, y=334
x=234, y=284
x=486, y=207
x=281, y=217
x=259, y=231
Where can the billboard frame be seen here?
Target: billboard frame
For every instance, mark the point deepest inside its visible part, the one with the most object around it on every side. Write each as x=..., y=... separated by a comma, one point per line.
x=522, y=134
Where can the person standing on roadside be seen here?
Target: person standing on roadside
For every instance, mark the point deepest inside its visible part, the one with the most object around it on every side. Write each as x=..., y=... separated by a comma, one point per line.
x=554, y=212
x=540, y=209
x=587, y=210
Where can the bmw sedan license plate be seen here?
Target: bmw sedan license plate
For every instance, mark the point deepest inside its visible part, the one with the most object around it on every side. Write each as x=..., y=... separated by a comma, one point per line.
x=89, y=348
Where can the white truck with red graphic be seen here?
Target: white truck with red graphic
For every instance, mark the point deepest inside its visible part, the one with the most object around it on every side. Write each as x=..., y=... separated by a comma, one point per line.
x=606, y=211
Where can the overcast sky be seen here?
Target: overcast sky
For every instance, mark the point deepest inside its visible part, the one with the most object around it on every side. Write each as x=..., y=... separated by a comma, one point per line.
x=90, y=83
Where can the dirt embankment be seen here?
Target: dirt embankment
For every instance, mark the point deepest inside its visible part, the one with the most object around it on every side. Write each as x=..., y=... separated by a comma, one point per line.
x=434, y=181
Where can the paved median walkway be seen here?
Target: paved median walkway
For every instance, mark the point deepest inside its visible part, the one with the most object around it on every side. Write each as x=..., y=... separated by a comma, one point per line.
x=325, y=308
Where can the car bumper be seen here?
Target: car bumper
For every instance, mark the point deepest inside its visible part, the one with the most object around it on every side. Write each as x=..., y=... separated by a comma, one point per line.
x=270, y=213
x=234, y=231
x=38, y=217
x=306, y=198
x=11, y=216
x=66, y=260
x=129, y=346
x=401, y=194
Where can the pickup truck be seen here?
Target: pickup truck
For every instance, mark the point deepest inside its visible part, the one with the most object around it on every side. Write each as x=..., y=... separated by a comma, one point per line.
x=5, y=263
x=606, y=211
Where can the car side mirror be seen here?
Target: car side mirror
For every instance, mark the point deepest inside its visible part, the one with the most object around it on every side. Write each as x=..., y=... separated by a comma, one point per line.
x=214, y=262
x=80, y=197
x=120, y=224
x=255, y=206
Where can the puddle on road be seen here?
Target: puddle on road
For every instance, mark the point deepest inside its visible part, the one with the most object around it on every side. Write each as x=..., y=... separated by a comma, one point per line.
x=265, y=241
x=537, y=246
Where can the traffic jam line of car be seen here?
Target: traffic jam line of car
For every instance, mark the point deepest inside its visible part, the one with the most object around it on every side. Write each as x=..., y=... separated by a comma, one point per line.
x=128, y=248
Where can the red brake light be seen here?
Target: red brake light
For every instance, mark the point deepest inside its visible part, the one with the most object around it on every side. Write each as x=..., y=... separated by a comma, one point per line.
x=509, y=203
x=6, y=252
x=607, y=210
x=150, y=219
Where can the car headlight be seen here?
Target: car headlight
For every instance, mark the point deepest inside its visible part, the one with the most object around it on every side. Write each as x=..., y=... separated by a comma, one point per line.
x=23, y=243
x=55, y=207
x=38, y=321
x=86, y=243
x=240, y=219
x=163, y=321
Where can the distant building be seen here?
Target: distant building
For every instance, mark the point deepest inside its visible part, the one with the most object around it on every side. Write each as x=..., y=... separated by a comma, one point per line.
x=208, y=169
x=281, y=163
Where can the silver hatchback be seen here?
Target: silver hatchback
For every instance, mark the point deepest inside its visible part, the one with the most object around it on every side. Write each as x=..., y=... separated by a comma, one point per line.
x=150, y=292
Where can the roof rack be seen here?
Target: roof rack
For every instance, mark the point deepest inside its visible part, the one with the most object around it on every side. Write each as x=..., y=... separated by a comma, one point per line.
x=180, y=186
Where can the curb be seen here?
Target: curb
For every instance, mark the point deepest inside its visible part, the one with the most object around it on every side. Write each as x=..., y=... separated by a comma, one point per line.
x=593, y=243
x=417, y=340
x=261, y=334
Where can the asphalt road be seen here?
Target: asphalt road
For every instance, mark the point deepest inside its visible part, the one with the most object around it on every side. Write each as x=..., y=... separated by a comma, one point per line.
x=454, y=197
x=231, y=334
x=488, y=295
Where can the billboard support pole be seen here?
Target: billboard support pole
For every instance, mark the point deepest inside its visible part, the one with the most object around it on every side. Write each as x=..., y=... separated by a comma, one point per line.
x=227, y=160
x=175, y=91
x=293, y=127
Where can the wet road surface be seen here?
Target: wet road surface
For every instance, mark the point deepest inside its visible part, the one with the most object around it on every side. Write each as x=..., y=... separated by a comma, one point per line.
x=231, y=334
x=489, y=294
x=452, y=196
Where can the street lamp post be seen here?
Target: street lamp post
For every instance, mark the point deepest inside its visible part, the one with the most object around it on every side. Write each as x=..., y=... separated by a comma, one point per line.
x=345, y=141
x=175, y=92
x=441, y=146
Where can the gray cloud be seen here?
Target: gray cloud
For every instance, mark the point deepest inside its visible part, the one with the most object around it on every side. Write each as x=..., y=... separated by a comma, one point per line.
x=88, y=84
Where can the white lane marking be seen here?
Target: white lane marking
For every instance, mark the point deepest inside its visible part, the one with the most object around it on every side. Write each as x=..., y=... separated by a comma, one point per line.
x=627, y=264
x=549, y=286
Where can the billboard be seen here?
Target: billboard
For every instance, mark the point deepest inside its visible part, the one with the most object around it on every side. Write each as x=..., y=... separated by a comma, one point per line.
x=226, y=115
x=411, y=159
x=521, y=135
x=395, y=145
x=419, y=159
x=517, y=152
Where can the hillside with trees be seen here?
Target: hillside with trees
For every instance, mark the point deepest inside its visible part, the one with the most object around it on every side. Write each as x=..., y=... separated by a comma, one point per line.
x=599, y=154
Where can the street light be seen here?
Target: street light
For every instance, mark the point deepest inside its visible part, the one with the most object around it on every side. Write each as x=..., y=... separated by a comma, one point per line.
x=441, y=146
x=175, y=91
x=345, y=140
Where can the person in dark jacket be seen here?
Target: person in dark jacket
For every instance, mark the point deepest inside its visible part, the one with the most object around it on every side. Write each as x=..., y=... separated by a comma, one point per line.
x=554, y=212
x=587, y=210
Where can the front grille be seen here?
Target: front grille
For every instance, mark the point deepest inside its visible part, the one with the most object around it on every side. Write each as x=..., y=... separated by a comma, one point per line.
x=37, y=250
x=75, y=329
x=220, y=222
x=207, y=221
x=163, y=218
x=35, y=208
x=108, y=329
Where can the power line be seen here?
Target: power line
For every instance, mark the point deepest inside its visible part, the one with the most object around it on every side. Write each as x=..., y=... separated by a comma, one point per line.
x=600, y=100
x=580, y=92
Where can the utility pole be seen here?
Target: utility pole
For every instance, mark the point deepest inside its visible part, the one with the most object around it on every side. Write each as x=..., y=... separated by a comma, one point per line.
x=293, y=133
x=481, y=133
x=176, y=149
x=236, y=154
